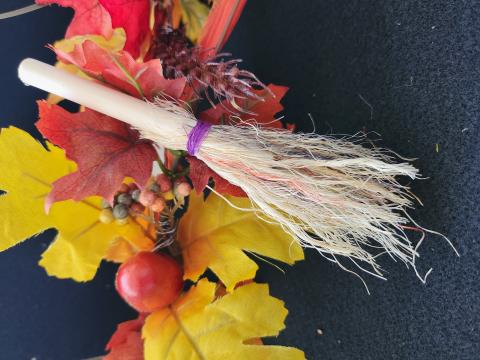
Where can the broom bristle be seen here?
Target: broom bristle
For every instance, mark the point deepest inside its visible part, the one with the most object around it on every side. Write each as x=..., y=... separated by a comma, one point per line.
x=330, y=194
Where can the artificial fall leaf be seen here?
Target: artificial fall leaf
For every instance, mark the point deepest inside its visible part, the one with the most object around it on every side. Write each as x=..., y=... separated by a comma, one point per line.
x=114, y=44
x=134, y=17
x=28, y=169
x=194, y=15
x=123, y=248
x=200, y=175
x=264, y=111
x=120, y=70
x=99, y=17
x=106, y=152
x=176, y=14
x=199, y=326
x=126, y=343
x=120, y=250
x=90, y=17
x=219, y=25
x=213, y=234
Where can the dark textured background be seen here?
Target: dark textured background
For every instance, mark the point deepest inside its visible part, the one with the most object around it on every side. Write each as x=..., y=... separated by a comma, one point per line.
x=417, y=64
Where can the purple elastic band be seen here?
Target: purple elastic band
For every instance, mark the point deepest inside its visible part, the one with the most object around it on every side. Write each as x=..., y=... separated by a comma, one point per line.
x=196, y=136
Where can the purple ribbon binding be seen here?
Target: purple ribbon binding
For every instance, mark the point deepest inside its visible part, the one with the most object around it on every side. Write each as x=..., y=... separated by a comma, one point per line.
x=196, y=136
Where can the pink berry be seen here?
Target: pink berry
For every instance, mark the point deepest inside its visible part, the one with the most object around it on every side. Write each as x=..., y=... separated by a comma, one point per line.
x=158, y=205
x=147, y=198
x=183, y=189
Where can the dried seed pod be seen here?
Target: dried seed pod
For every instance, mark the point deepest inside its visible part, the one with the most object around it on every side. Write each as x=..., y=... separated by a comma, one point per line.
x=180, y=59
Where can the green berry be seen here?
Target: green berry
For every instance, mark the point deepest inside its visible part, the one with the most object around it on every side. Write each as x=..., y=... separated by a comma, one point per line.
x=135, y=195
x=120, y=211
x=124, y=199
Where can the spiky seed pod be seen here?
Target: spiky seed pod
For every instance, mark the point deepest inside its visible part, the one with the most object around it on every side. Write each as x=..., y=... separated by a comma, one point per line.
x=181, y=59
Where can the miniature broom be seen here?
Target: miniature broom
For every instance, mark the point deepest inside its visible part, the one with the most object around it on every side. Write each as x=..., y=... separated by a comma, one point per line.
x=330, y=194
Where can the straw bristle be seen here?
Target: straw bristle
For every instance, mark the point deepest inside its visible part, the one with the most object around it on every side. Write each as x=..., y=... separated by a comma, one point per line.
x=331, y=194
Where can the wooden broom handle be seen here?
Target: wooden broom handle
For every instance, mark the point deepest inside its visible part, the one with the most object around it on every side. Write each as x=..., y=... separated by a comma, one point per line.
x=101, y=98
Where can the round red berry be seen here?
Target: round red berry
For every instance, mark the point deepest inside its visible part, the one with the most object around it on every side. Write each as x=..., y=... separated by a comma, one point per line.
x=149, y=281
x=164, y=182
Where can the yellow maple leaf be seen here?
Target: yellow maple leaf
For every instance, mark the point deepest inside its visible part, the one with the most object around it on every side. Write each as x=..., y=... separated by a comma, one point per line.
x=115, y=43
x=123, y=248
x=28, y=169
x=198, y=326
x=213, y=234
x=194, y=15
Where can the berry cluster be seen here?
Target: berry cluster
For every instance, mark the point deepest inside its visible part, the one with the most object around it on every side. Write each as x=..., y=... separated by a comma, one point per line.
x=131, y=201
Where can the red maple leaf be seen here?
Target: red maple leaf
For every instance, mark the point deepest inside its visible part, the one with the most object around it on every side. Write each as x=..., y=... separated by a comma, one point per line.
x=264, y=111
x=105, y=150
x=134, y=17
x=200, y=174
x=98, y=17
x=126, y=342
x=144, y=80
x=219, y=25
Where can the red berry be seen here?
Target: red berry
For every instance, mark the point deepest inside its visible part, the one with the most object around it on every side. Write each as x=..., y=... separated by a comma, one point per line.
x=132, y=186
x=137, y=208
x=123, y=188
x=149, y=281
x=164, y=182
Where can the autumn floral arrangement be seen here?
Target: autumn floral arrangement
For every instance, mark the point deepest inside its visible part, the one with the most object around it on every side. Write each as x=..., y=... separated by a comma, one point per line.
x=114, y=193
